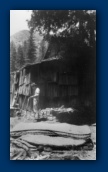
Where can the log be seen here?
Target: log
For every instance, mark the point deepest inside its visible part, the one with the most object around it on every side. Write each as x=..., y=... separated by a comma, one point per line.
x=49, y=133
x=61, y=127
x=52, y=141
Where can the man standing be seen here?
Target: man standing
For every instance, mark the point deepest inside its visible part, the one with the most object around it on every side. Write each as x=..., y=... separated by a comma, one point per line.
x=35, y=98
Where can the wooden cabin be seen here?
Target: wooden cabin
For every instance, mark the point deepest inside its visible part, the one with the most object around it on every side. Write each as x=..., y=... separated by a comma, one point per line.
x=63, y=78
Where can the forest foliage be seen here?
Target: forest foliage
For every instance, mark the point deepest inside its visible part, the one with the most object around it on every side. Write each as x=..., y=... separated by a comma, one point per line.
x=77, y=27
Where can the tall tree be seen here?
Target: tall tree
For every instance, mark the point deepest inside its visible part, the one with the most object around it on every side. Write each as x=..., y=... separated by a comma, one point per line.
x=79, y=25
x=19, y=58
x=42, y=49
x=25, y=51
x=12, y=57
x=31, y=48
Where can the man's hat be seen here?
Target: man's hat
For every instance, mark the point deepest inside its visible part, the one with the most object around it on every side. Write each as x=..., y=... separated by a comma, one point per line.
x=33, y=84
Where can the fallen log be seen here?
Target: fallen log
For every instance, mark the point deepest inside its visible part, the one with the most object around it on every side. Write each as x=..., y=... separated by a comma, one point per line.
x=34, y=139
x=61, y=127
x=51, y=141
x=49, y=133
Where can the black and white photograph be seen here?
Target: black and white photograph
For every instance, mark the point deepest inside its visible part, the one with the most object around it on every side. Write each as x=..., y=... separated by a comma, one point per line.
x=52, y=84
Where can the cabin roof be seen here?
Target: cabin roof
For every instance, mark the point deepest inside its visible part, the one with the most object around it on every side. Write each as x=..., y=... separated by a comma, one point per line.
x=32, y=64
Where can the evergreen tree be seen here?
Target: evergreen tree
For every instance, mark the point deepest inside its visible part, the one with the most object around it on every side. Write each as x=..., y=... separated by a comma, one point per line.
x=25, y=51
x=42, y=49
x=19, y=58
x=12, y=57
x=31, y=48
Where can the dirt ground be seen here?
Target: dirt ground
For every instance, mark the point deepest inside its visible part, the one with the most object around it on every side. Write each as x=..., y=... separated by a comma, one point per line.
x=81, y=154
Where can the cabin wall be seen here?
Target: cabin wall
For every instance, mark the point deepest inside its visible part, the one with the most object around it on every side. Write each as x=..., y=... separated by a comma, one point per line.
x=58, y=84
x=62, y=82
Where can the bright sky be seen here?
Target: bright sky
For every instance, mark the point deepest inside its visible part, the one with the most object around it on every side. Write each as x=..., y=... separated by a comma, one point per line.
x=18, y=20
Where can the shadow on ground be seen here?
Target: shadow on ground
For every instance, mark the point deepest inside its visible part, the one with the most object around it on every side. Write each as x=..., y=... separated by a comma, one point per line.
x=82, y=116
